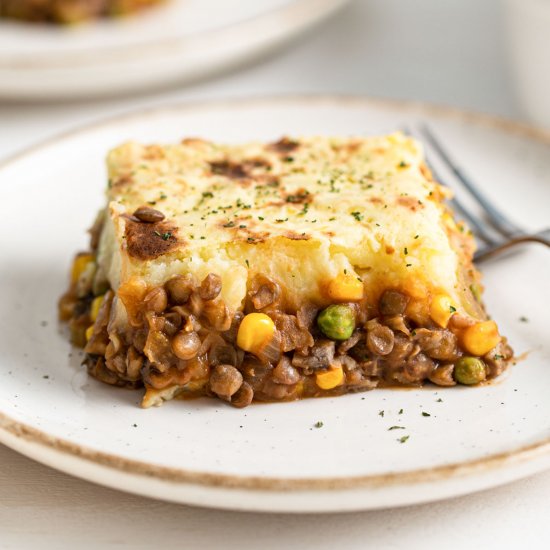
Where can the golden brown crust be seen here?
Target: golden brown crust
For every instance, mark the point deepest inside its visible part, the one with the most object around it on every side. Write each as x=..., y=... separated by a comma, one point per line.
x=293, y=236
x=411, y=203
x=231, y=170
x=147, y=241
x=284, y=145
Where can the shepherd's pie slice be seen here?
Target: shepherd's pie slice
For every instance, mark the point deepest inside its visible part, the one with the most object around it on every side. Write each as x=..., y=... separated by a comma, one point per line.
x=275, y=271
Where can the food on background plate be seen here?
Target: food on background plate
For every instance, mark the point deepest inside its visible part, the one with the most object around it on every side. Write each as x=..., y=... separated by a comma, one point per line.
x=277, y=271
x=70, y=11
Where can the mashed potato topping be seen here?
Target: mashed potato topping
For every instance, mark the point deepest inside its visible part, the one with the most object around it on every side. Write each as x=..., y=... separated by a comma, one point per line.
x=300, y=211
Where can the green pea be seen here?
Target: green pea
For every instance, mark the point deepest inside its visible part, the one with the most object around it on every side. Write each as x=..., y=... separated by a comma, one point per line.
x=469, y=370
x=337, y=321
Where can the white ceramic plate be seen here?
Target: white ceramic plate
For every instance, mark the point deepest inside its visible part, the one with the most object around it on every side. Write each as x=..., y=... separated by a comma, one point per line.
x=179, y=41
x=269, y=457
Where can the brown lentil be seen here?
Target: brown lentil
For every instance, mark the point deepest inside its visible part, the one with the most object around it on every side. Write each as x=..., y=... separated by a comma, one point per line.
x=179, y=289
x=393, y=302
x=264, y=292
x=225, y=381
x=285, y=373
x=418, y=367
x=210, y=287
x=146, y=214
x=185, y=345
x=438, y=343
x=156, y=300
x=243, y=397
x=380, y=339
x=443, y=375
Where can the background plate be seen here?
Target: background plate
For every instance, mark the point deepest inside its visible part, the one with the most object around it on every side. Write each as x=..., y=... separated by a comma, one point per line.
x=179, y=41
x=269, y=457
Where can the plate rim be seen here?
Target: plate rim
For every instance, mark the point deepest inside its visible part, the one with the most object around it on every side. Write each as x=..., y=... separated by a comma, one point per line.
x=171, y=46
x=10, y=427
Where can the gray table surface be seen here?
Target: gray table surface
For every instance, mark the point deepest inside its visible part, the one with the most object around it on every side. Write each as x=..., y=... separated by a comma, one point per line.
x=445, y=51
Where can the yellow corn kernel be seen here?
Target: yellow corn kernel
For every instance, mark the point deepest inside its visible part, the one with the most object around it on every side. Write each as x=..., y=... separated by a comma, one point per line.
x=79, y=265
x=255, y=331
x=89, y=332
x=442, y=309
x=330, y=378
x=346, y=287
x=95, y=307
x=481, y=338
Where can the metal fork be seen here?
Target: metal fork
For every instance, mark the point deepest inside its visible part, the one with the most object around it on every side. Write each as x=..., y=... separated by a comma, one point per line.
x=509, y=235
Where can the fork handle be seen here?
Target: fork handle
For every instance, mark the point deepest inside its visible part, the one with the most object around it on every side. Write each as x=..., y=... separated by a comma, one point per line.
x=542, y=237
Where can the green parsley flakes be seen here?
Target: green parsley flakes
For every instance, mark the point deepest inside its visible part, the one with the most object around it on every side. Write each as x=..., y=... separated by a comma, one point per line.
x=163, y=236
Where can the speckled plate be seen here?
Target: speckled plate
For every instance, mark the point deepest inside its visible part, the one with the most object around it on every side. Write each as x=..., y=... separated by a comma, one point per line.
x=272, y=456
x=179, y=41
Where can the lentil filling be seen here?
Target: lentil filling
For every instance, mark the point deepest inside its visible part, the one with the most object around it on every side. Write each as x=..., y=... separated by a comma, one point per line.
x=182, y=339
